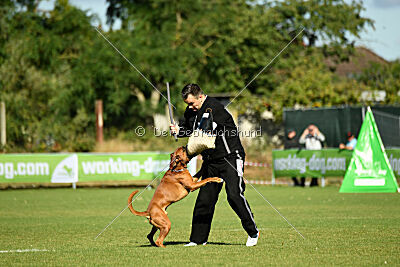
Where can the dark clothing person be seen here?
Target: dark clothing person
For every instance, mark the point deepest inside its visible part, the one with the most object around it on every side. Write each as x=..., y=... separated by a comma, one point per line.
x=225, y=161
x=292, y=142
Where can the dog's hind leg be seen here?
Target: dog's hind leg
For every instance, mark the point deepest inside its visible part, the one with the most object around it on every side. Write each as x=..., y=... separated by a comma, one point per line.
x=151, y=235
x=164, y=224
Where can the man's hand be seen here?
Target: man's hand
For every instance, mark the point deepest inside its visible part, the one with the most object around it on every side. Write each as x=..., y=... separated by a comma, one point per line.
x=174, y=128
x=305, y=132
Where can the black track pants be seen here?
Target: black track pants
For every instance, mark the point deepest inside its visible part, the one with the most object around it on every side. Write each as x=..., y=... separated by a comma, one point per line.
x=208, y=196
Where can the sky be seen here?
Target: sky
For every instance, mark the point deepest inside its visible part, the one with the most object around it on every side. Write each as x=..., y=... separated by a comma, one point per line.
x=384, y=40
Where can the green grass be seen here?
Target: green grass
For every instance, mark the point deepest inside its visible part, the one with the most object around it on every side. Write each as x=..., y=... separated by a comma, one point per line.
x=345, y=229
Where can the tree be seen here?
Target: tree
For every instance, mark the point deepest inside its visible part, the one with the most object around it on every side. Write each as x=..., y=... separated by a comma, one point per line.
x=311, y=84
x=223, y=44
x=386, y=78
x=38, y=82
x=54, y=65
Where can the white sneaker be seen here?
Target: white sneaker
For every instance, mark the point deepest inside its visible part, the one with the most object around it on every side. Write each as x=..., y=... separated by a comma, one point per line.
x=252, y=241
x=192, y=244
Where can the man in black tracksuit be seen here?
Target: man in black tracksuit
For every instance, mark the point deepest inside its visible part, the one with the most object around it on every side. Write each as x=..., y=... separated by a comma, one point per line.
x=225, y=161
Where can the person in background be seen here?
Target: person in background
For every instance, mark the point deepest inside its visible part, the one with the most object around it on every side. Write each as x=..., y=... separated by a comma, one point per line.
x=313, y=139
x=351, y=142
x=292, y=142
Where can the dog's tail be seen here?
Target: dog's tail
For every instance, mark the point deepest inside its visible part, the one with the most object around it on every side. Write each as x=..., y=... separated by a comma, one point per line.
x=138, y=213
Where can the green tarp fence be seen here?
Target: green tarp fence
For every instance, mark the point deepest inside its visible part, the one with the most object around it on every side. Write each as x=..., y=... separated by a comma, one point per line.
x=335, y=122
x=320, y=163
x=83, y=167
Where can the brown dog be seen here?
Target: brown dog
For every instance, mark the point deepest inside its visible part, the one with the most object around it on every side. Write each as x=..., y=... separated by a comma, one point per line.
x=175, y=185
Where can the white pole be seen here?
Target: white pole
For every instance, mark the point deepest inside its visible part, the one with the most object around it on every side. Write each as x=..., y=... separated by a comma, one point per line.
x=363, y=113
x=273, y=178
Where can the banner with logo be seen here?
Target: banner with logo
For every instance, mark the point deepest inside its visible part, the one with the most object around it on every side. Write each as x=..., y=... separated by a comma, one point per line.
x=23, y=168
x=394, y=160
x=320, y=163
x=138, y=166
x=71, y=168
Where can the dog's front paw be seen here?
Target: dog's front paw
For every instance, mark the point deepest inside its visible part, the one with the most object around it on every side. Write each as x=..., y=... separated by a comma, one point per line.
x=219, y=180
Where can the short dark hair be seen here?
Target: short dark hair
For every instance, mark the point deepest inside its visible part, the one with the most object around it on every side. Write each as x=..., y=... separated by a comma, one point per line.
x=191, y=89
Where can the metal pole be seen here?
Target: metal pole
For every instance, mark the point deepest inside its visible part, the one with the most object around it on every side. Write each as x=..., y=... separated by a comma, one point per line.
x=3, y=139
x=99, y=121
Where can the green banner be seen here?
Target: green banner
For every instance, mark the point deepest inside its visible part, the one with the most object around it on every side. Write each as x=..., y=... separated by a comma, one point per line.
x=394, y=160
x=44, y=168
x=138, y=166
x=71, y=168
x=320, y=163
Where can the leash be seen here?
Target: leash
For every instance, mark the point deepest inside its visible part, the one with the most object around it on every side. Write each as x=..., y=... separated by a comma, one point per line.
x=280, y=214
x=130, y=203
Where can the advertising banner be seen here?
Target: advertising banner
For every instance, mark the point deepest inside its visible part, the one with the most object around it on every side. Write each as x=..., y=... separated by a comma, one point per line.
x=137, y=166
x=320, y=163
x=82, y=167
x=394, y=160
x=45, y=168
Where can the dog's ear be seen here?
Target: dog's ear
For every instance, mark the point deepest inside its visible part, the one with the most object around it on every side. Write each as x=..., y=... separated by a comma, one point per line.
x=175, y=159
x=172, y=161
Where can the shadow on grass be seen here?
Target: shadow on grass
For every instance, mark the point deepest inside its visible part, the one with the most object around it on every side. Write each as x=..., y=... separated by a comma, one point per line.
x=180, y=243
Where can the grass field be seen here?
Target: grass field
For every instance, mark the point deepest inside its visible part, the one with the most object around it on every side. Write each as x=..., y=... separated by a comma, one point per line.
x=345, y=229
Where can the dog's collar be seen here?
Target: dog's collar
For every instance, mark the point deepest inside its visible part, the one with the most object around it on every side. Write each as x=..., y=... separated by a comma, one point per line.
x=181, y=170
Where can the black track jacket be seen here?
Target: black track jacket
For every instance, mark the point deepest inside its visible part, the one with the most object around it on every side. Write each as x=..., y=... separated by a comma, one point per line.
x=227, y=142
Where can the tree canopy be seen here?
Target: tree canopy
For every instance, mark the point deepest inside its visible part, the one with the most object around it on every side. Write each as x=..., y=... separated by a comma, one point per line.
x=54, y=65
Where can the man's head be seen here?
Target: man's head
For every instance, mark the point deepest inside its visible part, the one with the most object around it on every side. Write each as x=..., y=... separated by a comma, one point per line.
x=311, y=129
x=193, y=96
x=350, y=136
x=291, y=134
